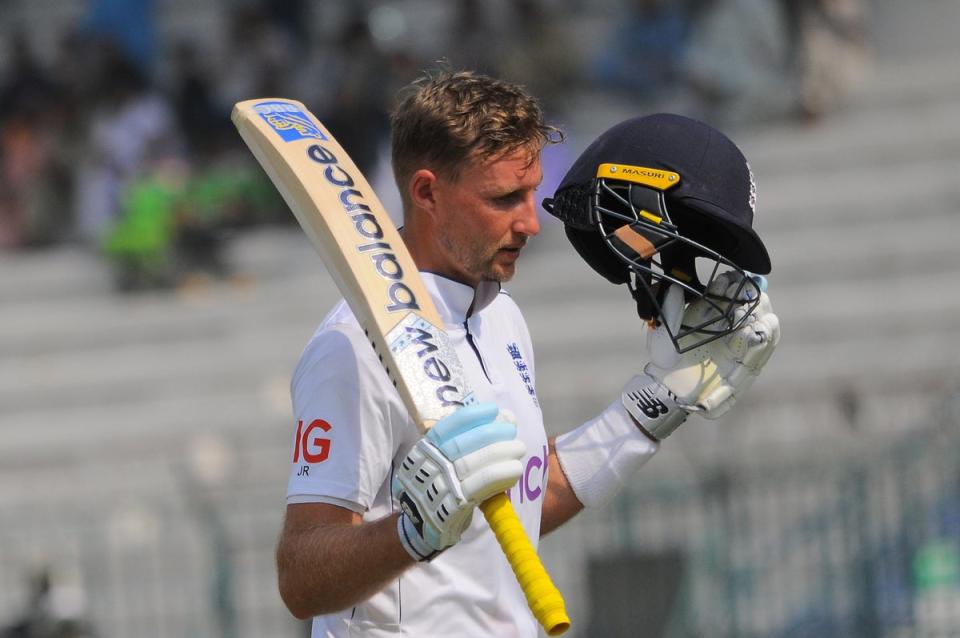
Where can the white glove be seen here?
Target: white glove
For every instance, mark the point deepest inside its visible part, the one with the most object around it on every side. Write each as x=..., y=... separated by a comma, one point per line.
x=707, y=380
x=464, y=459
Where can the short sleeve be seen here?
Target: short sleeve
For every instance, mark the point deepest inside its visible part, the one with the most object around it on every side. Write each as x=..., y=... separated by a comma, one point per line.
x=344, y=423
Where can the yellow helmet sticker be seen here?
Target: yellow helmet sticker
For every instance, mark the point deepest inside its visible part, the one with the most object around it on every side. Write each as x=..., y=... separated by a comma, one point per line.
x=650, y=216
x=653, y=177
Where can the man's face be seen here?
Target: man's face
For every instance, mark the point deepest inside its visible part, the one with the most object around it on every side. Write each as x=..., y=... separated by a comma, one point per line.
x=486, y=216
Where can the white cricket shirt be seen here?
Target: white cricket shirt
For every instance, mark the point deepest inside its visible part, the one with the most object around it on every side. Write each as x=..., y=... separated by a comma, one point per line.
x=352, y=430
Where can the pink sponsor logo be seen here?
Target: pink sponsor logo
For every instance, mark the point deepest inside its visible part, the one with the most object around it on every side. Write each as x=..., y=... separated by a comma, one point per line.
x=533, y=481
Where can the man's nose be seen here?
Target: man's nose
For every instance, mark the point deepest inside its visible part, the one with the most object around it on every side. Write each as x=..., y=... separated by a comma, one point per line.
x=528, y=223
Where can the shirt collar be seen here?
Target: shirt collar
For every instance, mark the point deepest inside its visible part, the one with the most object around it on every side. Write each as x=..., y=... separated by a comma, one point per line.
x=454, y=299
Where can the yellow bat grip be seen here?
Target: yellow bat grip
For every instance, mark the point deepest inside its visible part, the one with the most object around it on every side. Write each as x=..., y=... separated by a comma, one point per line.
x=543, y=597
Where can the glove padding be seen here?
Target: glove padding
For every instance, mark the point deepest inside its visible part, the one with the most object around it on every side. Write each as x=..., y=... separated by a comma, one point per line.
x=464, y=459
x=707, y=380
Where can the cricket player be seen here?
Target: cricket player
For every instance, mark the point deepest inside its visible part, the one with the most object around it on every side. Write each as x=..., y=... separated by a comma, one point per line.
x=380, y=536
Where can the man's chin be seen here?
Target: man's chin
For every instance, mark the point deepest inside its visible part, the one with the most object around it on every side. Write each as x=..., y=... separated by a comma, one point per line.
x=500, y=274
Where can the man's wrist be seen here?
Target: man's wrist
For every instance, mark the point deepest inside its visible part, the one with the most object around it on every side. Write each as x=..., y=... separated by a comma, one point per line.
x=600, y=457
x=412, y=540
x=652, y=406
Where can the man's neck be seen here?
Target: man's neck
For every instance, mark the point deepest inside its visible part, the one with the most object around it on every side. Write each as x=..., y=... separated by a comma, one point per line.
x=425, y=253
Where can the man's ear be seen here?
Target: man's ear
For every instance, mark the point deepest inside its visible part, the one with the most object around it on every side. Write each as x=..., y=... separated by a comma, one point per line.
x=423, y=190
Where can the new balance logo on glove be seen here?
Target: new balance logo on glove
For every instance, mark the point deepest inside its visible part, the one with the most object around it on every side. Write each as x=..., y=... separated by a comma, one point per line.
x=652, y=406
x=649, y=404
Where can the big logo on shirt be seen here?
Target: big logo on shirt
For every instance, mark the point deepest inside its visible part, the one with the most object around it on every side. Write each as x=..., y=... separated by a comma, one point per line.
x=533, y=480
x=311, y=445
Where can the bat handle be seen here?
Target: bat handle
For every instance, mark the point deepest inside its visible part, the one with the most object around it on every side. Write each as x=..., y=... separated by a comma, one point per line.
x=543, y=597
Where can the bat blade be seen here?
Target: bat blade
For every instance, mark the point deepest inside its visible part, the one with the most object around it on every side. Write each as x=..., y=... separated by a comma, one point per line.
x=362, y=251
x=366, y=256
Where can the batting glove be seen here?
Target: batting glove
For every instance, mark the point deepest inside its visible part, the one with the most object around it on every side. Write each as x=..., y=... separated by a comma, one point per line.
x=706, y=380
x=464, y=459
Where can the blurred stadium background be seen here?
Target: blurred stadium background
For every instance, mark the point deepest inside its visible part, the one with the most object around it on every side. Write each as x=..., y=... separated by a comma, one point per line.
x=154, y=297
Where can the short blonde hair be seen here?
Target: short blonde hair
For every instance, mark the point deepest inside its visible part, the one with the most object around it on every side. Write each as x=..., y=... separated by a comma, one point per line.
x=446, y=120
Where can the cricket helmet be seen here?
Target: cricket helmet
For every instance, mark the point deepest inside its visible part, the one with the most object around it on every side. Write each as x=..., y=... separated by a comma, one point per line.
x=666, y=200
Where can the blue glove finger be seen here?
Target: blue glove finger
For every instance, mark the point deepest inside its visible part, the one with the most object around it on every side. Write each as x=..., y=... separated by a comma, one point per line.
x=477, y=438
x=464, y=419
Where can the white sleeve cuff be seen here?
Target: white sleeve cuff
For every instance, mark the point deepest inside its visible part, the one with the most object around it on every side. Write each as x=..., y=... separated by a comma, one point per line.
x=294, y=499
x=600, y=456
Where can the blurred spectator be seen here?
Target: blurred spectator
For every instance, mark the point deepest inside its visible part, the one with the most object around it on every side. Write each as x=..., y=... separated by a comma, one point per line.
x=76, y=71
x=32, y=177
x=293, y=16
x=644, y=49
x=754, y=60
x=34, y=180
x=357, y=113
x=220, y=196
x=130, y=121
x=473, y=42
x=130, y=25
x=139, y=246
x=201, y=119
x=260, y=59
x=176, y=216
x=540, y=54
x=829, y=43
x=736, y=68
x=28, y=83
x=54, y=610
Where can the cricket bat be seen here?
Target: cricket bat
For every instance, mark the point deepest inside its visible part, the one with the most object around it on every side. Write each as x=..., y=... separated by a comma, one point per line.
x=366, y=256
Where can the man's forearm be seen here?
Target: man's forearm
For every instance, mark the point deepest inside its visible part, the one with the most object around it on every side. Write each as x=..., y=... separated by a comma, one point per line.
x=324, y=567
x=560, y=503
